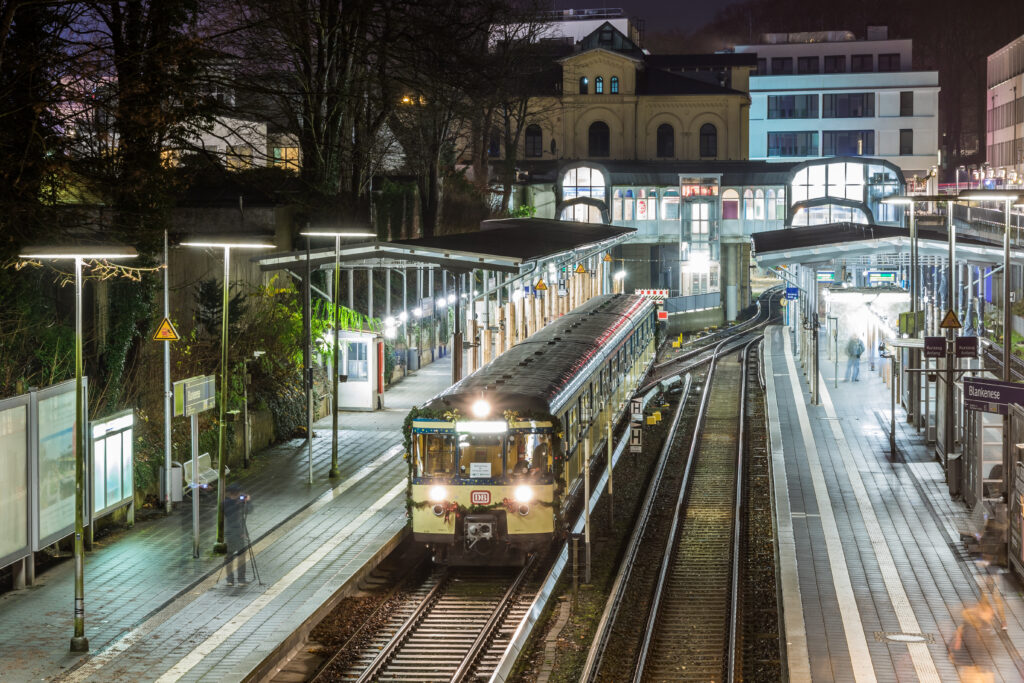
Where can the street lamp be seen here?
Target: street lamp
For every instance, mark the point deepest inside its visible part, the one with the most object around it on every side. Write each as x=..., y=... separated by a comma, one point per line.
x=227, y=244
x=79, y=643
x=337, y=235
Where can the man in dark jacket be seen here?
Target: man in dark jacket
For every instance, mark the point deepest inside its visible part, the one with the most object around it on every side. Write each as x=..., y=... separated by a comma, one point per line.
x=236, y=506
x=854, y=349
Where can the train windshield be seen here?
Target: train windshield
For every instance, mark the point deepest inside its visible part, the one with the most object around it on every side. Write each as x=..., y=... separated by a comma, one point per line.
x=434, y=455
x=529, y=453
x=480, y=456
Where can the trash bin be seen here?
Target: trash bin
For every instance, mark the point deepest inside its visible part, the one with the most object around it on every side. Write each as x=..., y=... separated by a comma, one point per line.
x=954, y=472
x=412, y=360
x=176, y=482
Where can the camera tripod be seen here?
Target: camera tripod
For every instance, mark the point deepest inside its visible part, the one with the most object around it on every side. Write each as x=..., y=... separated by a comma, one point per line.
x=248, y=542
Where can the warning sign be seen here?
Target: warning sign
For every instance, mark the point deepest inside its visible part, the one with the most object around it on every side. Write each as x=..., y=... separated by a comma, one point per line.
x=607, y=257
x=166, y=332
x=580, y=269
x=950, y=321
x=540, y=286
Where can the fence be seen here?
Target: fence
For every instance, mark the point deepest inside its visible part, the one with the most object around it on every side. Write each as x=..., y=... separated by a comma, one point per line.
x=694, y=302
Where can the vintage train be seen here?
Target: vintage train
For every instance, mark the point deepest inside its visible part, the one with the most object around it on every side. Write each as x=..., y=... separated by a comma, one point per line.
x=495, y=459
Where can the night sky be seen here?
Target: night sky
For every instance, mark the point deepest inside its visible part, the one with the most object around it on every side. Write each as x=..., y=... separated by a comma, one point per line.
x=685, y=15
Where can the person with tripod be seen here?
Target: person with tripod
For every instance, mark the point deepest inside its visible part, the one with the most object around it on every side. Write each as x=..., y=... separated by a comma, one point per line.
x=236, y=508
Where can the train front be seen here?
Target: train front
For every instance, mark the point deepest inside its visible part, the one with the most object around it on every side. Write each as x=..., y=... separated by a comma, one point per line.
x=483, y=487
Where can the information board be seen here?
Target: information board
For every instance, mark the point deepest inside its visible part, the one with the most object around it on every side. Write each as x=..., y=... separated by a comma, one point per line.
x=826, y=276
x=112, y=478
x=14, y=478
x=55, y=497
x=991, y=396
x=194, y=395
x=881, y=277
x=934, y=347
x=966, y=347
x=792, y=293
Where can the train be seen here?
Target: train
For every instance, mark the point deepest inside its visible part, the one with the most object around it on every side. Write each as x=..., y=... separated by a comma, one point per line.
x=495, y=460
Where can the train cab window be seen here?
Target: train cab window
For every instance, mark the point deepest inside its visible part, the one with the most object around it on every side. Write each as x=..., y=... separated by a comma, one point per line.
x=480, y=456
x=529, y=453
x=434, y=455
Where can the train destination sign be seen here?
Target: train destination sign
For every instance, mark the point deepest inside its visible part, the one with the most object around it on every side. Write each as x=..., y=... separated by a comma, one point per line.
x=934, y=347
x=991, y=396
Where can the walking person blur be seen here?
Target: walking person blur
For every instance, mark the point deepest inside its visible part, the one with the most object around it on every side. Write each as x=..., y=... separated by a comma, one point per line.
x=854, y=349
x=236, y=507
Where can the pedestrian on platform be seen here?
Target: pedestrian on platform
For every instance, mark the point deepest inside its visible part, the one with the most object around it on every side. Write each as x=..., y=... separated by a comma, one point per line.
x=854, y=349
x=236, y=507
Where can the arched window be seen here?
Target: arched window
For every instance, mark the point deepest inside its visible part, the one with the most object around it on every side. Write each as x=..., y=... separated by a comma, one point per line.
x=534, y=141
x=582, y=213
x=598, y=137
x=583, y=85
x=748, y=205
x=615, y=85
x=599, y=85
x=769, y=205
x=666, y=141
x=708, y=140
x=730, y=205
x=759, y=205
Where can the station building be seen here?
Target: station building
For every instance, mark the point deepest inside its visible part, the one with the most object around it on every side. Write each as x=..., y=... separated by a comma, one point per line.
x=1004, y=115
x=825, y=93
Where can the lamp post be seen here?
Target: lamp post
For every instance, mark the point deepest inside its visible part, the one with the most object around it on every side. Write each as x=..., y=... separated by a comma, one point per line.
x=79, y=643
x=240, y=242
x=337, y=235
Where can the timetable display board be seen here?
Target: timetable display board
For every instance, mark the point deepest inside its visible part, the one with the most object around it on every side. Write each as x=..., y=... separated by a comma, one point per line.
x=14, y=501
x=55, y=463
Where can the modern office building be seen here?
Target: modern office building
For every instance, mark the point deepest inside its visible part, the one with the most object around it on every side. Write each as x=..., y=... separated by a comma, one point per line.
x=1004, y=121
x=824, y=94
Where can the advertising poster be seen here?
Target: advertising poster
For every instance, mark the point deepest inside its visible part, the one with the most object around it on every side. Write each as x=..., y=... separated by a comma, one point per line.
x=56, y=463
x=13, y=479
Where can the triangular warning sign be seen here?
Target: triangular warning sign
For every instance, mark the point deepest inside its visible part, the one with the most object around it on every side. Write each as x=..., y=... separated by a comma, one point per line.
x=166, y=332
x=607, y=257
x=950, y=321
x=580, y=269
x=540, y=286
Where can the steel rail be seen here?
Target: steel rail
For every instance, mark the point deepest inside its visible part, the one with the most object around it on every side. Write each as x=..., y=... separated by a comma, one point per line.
x=604, y=628
x=669, y=546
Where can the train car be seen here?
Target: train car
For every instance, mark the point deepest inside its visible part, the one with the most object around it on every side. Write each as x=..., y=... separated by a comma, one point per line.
x=495, y=459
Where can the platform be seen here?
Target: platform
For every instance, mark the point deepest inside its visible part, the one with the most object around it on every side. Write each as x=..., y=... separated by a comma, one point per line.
x=874, y=580
x=155, y=613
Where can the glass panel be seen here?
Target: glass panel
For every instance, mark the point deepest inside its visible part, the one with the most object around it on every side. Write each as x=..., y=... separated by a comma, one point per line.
x=13, y=474
x=99, y=467
x=358, y=366
x=480, y=456
x=113, y=469
x=56, y=463
x=127, y=482
x=816, y=181
x=434, y=455
x=530, y=453
x=596, y=177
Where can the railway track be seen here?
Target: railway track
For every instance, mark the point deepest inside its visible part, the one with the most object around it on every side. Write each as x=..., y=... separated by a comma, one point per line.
x=453, y=627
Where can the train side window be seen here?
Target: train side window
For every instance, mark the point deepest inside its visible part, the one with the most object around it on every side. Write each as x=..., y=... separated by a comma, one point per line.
x=480, y=456
x=529, y=453
x=434, y=455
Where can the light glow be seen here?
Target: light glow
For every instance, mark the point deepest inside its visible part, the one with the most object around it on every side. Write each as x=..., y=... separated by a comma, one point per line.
x=353, y=232
x=481, y=408
x=989, y=195
x=213, y=244
x=699, y=261
x=84, y=252
x=523, y=494
x=621, y=275
x=451, y=298
x=437, y=494
x=417, y=312
x=403, y=316
x=482, y=427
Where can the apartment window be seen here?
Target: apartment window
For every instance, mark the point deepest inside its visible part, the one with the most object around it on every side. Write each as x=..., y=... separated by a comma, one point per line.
x=907, y=103
x=793, y=144
x=906, y=141
x=598, y=139
x=762, y=66
x=807, y=65
x=792, y=106
x=599, y=85
x=708, y=140
x=239, y=158
x=852, y=105
x=286, y=157
x=666, y=141
x=889, y=62
x=699, y=222
x=835, y=64
x=584, y=82
x=850, y=143
x=782, y=65
x=615, y=85
x=534, y=141
x=861, y=63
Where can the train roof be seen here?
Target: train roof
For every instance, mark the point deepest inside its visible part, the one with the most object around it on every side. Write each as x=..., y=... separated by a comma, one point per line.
x=534, y=374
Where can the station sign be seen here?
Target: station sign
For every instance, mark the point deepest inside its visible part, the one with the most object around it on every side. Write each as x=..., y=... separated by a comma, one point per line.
x=966, y=347
x=991, y=396
x=934, y=347
x=194, y=395
x=826, y=276
x=881, y=277
x=636, y=409
x=792, y=293
x=636, y=438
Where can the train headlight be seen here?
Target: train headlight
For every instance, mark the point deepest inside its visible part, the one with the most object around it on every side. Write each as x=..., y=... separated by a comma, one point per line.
x=437, y=494
x=523, y=494
x=481, y=408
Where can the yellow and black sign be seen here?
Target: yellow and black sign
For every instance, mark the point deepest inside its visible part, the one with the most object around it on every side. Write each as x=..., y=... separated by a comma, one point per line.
x=580, y=269
x=166, y=331
x=950, y=321
x=540, y=286
x=607, y=257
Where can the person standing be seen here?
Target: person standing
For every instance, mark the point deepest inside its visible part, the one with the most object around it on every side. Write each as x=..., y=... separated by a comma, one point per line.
x=236, y=506
x=854, y=349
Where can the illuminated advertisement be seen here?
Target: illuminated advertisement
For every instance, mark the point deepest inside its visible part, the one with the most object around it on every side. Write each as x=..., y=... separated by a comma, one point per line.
x=13, y=480
x=56, y=500
x=112, y=462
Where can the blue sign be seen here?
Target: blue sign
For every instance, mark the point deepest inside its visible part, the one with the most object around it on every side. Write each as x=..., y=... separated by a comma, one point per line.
x=792, y=293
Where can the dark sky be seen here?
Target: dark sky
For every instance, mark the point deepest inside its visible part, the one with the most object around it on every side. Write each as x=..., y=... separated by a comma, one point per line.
x=686, y=15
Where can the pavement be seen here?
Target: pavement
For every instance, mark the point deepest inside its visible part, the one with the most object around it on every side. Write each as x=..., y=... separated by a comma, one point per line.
x=875, y=583
x=155, y=613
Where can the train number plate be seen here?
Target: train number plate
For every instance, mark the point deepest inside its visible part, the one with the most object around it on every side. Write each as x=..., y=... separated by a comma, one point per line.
x=480, y=497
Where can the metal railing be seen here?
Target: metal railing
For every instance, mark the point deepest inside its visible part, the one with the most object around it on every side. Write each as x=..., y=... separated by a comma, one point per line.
x=693, y=302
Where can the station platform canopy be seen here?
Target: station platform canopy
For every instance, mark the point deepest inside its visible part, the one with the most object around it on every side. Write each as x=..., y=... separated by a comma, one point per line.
x=823, y=243
x=505, y=245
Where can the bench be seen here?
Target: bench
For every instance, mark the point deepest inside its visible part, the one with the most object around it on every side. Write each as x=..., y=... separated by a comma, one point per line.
x=205, y=476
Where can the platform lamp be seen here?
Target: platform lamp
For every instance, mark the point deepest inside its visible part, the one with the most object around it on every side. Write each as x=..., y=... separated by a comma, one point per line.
x=227, y=244
x=79, y=643
x=337, y=234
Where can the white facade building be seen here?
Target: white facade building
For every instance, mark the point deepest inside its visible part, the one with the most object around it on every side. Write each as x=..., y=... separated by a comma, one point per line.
x=827, y=94
x=573, y=25
x=1004, y=132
